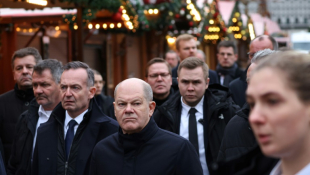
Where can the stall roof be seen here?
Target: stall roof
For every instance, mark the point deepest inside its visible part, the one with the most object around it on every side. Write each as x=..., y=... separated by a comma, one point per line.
x=25, y=5
x=7, y=12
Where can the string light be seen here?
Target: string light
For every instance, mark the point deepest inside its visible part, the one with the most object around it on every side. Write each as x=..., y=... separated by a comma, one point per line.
x=97, y=26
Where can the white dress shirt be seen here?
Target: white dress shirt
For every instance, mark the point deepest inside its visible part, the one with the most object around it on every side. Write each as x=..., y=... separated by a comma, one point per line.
x=222, y=78
x=277, y=170
x=184, y=130
x=43, y=117
x=78, y=120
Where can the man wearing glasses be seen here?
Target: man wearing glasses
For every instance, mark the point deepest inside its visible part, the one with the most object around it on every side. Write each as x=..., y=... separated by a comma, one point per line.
x=260, y=43
x=158, y=76
x=238, y=86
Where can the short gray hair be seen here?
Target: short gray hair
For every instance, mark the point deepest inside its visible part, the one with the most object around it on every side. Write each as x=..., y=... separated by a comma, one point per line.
x=262, y=54
x=77, y=65
x=147, y=89
x=53, y=65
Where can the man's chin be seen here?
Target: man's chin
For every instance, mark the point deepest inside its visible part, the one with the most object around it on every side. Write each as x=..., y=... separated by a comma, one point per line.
x=25, y=85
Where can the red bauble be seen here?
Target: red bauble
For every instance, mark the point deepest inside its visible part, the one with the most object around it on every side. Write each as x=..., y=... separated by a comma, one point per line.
x=177, y=15
x=160, y=1
x=191, y=23
x=120, y=10
x=225, y=29
x=170, y=27
x=117, y=17
x=146, y=1
x=216, y=14
x=207, y=27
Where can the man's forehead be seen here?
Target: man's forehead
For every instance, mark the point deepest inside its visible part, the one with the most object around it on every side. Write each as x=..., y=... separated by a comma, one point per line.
x=171, y=54
x=222, y=49
x=29, y=59
x=157, y=66
x=73, y=76
x=43, y=73
x=128, y=98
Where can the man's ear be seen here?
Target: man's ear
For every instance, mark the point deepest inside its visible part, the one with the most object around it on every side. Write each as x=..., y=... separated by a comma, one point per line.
x=207, y=83
x=92, y=92
x=236, y=57
x=152, y=106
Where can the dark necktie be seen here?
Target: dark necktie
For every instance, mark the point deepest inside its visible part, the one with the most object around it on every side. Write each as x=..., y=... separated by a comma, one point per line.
x=69, y=137
x=192, y=128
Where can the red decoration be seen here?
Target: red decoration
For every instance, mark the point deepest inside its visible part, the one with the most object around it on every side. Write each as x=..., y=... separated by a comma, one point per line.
x=215, y=14
x=157, y=1
x=207, y=27
x=170, y=27
x=117, y=17
x=225, y=29
x=160, y=1
x=120, y=10
x=191, y=23
x=177, y=15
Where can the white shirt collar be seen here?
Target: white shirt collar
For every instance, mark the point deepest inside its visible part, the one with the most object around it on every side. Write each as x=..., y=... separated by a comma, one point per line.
x=78, y=119
x=42, y=112
x=198, y=107
x=277, y=170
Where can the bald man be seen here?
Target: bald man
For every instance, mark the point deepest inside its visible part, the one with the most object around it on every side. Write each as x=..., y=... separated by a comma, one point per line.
x=141, y=147
x=239, y=85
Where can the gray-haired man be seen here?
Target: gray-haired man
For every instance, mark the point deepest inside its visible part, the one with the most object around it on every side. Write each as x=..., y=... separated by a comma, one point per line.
x=45, y=80
x=64, y=144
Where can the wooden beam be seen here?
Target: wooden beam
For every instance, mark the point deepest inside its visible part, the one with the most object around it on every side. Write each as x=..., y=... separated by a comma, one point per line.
x=33, y=19
x=25, y=5
x=69, y=45
x=8, y=47
x=79, y=20
x=32, y=38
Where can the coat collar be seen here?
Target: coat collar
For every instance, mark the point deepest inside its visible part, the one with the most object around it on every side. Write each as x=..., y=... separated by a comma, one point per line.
x=59, y=113
x=32, y=116
x=24, y=95
x=131, y=142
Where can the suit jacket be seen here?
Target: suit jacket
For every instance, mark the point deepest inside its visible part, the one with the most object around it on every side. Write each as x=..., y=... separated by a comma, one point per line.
x=217, y=111
x=49, y=156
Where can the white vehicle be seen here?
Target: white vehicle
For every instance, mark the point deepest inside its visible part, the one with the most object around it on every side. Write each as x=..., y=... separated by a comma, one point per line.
x=300, y=41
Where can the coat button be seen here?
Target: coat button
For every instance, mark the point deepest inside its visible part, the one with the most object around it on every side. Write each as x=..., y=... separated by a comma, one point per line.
x=47, y=159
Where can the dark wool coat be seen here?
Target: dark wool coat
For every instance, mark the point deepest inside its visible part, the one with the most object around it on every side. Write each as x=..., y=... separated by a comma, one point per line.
x=12, y=105
x=152, y=151
x=49, y=156
x=20, y=160
x=239, y=152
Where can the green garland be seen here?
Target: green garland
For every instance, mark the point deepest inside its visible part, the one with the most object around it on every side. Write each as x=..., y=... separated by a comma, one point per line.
x=165, y=9
x=91, y=7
